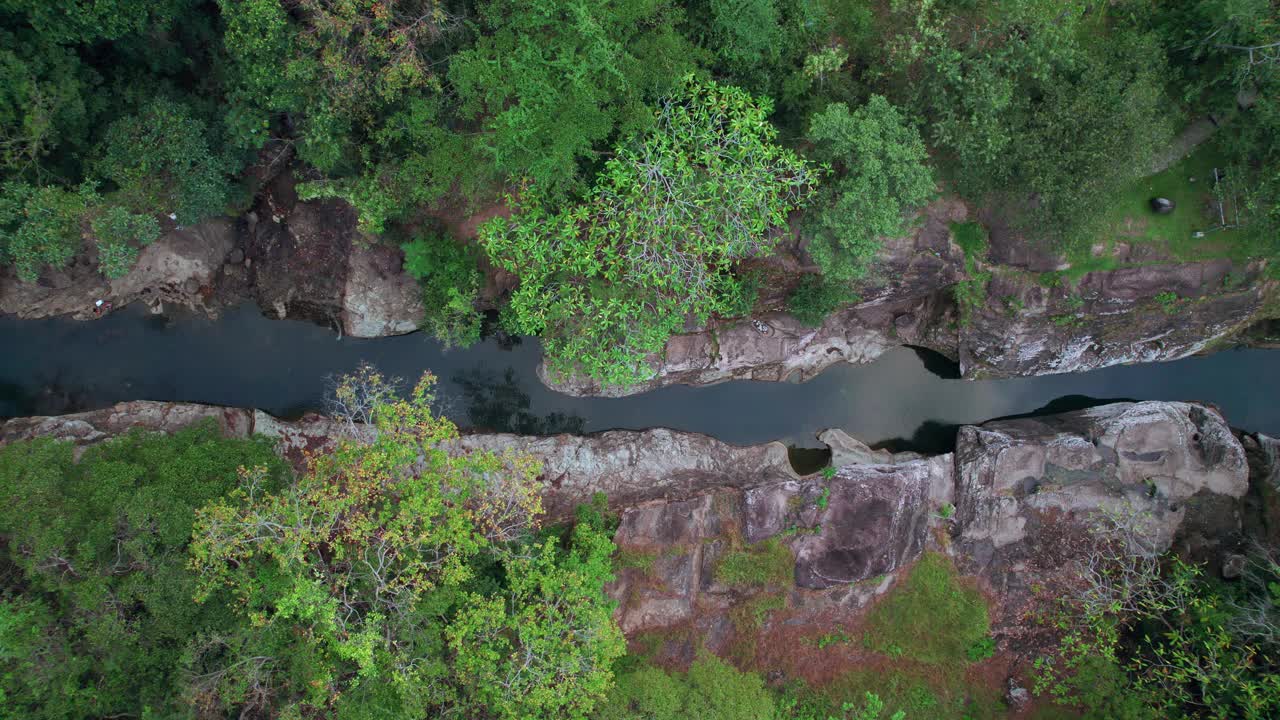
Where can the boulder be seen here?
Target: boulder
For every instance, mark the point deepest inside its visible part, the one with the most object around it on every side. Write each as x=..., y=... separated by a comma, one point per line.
x=299, y=260
x=379, y=299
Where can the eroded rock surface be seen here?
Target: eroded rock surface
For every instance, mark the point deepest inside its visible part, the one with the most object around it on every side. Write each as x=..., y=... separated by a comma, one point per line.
x=179, y=268
x=1013, y=504
x=1019, y=497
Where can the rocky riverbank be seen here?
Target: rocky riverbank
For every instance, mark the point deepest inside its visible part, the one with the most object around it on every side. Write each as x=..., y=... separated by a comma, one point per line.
x=1013, y=505
x=1033, y=315
x=297, y=260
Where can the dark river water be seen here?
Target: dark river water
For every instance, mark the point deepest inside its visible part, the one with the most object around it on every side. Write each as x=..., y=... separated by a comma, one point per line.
x=904, y=399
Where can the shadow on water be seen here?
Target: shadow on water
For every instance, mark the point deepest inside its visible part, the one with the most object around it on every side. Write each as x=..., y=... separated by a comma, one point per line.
x=930, y=438
x=499, y=404
x=1066, y=403
x=806, y=460
x=933, y=437
x=936, y=363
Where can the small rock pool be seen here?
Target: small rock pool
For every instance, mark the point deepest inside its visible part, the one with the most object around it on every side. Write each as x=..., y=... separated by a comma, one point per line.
x=906, y=399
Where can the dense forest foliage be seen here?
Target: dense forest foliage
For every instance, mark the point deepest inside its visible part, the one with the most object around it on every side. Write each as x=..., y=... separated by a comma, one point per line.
x=194, y=575
x=617, y=131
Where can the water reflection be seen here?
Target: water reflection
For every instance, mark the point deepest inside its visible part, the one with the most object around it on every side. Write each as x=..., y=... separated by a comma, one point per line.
x=496, y=404
x=245, y=359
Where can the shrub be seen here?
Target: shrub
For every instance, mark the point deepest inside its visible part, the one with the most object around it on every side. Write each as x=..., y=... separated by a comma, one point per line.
x=879, y=160
x=930, y=616
x=711, y=690
x=40, y=226
x=119, y=233
x=1168, y=301
x=982, y=649
x=450, y=287
x=816, y=297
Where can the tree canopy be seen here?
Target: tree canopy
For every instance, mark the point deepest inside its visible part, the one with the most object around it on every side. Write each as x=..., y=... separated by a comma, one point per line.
x=415, y=578
x=608, y=280
x=881, y=173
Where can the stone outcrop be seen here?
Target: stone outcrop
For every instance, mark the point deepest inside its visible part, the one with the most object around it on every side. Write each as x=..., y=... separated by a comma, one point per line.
x=1264, y=468
x=379, y=299
x=97, y=425
x=179, y=268
x=296, y=260
x=631, y=467
x=1148, y=313
x=628, y=466
x=1164, y=463
x=1014, y=504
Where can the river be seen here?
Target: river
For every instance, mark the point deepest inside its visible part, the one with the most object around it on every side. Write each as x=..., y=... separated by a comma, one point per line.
x=904, y=399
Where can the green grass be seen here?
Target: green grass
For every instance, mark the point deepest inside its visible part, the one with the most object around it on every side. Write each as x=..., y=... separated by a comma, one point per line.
x=971, y=293
x=1130, y=219
x=972, y=239
x=641, y=560
x=752, y=614
x=919, y=692
x=930, y=618
x=767, y=563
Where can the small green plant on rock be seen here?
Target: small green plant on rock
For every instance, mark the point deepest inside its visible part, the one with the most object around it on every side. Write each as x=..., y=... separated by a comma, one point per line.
x=947, y=511
x=1168, y=301
x=832, y=638
x=971, y=293
x=828, y=472
x=982, y=649
x=767, y=563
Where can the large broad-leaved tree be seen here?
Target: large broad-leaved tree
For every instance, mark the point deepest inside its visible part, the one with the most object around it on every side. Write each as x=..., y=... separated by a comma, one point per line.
x=654, y=244
x=400, y=579
x=882, y=173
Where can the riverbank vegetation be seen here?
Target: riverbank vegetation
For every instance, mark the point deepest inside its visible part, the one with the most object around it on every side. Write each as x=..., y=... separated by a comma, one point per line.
x=386, y=576
x=648, y=149
x=193, y=575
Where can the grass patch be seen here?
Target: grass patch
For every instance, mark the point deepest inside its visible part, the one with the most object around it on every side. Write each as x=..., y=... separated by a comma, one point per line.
x=641, y=560
x=752, y=614
x=1130, y=217
x=765, y=564
x=816, y=297
x=930, y=618
x=971, y=293
x=918, y=691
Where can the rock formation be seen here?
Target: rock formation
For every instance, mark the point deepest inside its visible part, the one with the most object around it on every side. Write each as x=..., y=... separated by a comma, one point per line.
x=1014, y=504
